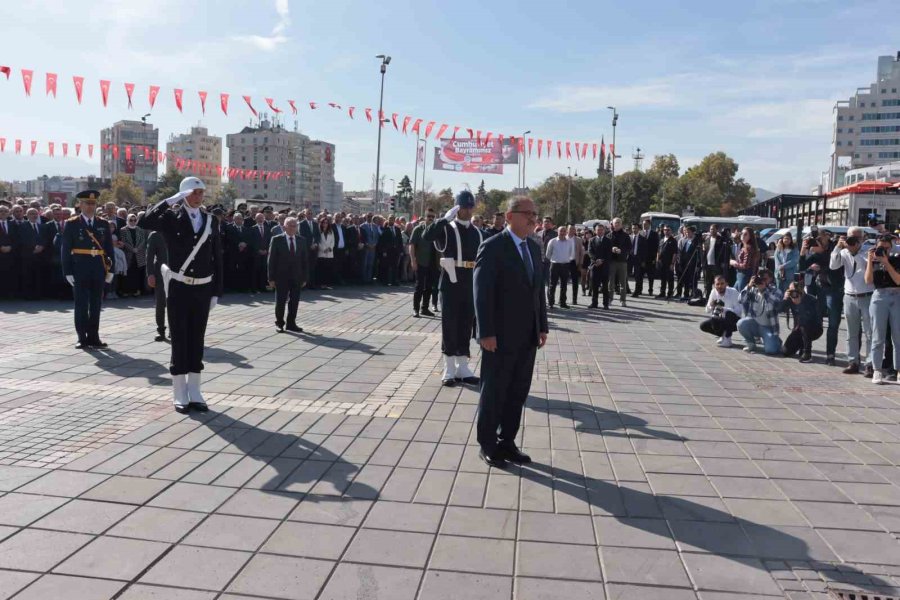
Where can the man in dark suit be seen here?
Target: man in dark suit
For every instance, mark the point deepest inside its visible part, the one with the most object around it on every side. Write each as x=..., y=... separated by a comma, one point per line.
x=193, y=281
x=511, y=315
x=157, y=256
x=53, y=231
x=340, y=247
x=258, y=238
x=645, y=258
x=665, y=263
x=87, y=260
x=389, y=247
x=354, y=251
x=599, y=249
x=689, y=261
x=238, y=255
x=288, y=270
x=9, y=277
x=32, y=246
x=715, y=258
x=309, y=228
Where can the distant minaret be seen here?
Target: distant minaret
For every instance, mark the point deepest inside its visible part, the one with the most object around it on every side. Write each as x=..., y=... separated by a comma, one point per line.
x=638, y=157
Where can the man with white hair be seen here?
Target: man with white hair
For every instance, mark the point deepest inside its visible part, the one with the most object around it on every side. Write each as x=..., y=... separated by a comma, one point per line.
x=857, y=296
x=288, y=270
x=192, y=280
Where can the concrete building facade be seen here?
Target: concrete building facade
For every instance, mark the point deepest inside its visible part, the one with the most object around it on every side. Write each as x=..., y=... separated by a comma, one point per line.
x=137, y=135
x=199, y=145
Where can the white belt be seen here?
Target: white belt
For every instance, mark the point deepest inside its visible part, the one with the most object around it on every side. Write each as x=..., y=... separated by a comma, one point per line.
x=190, y=280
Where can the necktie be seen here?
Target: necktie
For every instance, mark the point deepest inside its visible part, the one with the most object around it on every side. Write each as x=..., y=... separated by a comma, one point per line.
x=526, y=257
x=35, y=228
x=291, y=242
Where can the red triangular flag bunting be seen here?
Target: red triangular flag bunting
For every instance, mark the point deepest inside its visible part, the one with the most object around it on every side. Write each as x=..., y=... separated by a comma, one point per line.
x=455, y=129
x=79, y=86
x=202, y=95
x=416, y=126
x=271, y=104
x=33, y=147
x=27, y=76
x=540, y=145
x=77, y=149
x=18, y=146
x=2, y=144
x=154, y=92
x=558, y=149
x=406, y=121
x=6, y=71
x=568, y=149
x=223, y=102
x=394, y=121
x=487, y=139
x=594, y=148
x=441, y=131
x=584, y=150
x=530, y=145
x=65, y=148
x=129, y=90
x=334, y=105
x=104, y=90
x=293, y=106
x=90, y=151
x=50, y=148
x=51, y=84
x=369, y=115
x=253, y=110
x=428, y=129
x=127, y=152
x=312, y=105
x=178, y=99
x=471, y=132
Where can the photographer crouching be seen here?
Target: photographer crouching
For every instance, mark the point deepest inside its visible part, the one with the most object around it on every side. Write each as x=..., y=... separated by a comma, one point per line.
x=807, y=322
x=761, y=301
x=883, y=271
x=725, y=307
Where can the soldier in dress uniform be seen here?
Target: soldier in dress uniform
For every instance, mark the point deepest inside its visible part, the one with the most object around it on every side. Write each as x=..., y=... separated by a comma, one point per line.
x=457, y=241
x=87, y=255
x=192, y=279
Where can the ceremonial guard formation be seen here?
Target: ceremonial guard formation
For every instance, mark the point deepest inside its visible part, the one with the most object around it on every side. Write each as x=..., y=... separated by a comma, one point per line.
x=457, y=241
x=192, y=281
x=87, y=252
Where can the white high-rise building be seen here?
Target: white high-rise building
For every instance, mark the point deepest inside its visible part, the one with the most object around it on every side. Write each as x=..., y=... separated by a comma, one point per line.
x=318, y=179
x=268, y=148
x=198, y=145
x=866, y=128
x=122, y=151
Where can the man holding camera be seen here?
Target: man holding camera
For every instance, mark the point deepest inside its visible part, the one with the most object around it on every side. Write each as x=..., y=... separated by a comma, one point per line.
x=725, y=307
x=807, y=322
x=823, y=283
x=857, y=296
x=883, y=272
x=760, y=301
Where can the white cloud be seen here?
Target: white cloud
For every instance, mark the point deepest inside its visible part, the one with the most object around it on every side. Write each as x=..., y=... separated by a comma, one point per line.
x=781, y=119
x=575, y=99
x=268, y=43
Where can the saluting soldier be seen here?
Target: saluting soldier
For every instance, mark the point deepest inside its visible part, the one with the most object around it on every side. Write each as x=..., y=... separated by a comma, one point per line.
x=87, y=253
x=457, y=240
x=192, y=280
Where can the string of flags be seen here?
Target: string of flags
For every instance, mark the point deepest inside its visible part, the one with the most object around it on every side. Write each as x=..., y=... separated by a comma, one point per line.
x=545, y=148
x=131, y=154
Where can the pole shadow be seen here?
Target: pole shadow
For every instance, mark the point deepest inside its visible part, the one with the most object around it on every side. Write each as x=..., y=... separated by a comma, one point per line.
x=595, y=419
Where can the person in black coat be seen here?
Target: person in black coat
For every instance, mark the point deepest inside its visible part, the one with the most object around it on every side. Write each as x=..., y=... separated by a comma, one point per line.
x=258, y=236
x=715, y=258
x=689, y=252
x=354, y=252
x=87, y=264
x=599, y=250
x=193, y=281
x=288, y=270
x=9, y=277
x=388, y=249
x=238, y=255
x=309, y=228
x=341, y=248
x=157, y=256
x=618, y=261
x=665, y=263
x=645, y=258
x=32, y=263
x=511, y=316
x=57, y=287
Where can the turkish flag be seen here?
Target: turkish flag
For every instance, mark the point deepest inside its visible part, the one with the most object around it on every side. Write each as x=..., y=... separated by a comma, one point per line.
x=406, y=121
x=202, y=95
x=253, y=110
x=369, y=115
x=540, y=146
x=521, y=145
x=568, y=149
x=50, y=148
x=33, y=147
x=594, y=149
x=455, y=129
x=178, y=99
x=27, y=76
x=530, y=144
x=154, y=92
x=334, y=105
x=478, y=137
x=441, y=131
x=77, y=149
x=381, y=118
x=79, y=86
x=2, y=144
x=428, y=129
x=559, y=149
x=127, y=152
x=416, y=126
x=312, y=105
x=223, y=101
x=350, y=111
x=293, y=106
x=104, y=90
x=6, y=71
x=129, y=90
x=584, y=150
x=115, y=152
x=271, y=104
x=51, y=84
x=65, y=148
x=471, y=132
x=487, y=139
x=90, y=151
x=394, y=121
x=18, y=146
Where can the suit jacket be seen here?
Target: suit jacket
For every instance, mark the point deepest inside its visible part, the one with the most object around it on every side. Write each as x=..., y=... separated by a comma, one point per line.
x=721, y=253
x=391, y=240
x=648, y=244
x=508, y=304
x=689, y=253
x=75, y=235
x=351, y=238
x=256, y=240
x=29, y=238
x=668, y=250
x=285, y=268
x=157, y=255
x=600, y=248
x=310, y=231
x=175, y=225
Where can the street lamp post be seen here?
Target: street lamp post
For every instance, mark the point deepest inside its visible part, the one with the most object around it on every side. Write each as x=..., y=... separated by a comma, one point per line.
x=569, y=198
x=385, y=61
x=523, y=158
x=612, y=187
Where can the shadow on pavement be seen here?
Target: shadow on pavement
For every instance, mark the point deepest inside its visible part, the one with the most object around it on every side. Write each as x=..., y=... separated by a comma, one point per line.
x=595, y=419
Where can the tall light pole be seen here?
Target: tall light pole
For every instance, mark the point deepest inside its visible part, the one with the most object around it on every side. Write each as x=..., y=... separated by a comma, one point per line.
x=385, y=61
x=569, y=199
x=612, y=187
x=523, y=158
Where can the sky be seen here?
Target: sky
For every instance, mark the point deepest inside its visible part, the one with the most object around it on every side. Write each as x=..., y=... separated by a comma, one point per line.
x=757, y=80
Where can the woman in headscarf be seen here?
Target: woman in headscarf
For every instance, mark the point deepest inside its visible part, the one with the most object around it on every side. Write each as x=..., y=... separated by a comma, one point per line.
x=134, y=245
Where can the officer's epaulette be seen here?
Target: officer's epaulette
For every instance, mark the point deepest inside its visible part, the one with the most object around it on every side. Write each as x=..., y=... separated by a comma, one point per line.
x=72, y=219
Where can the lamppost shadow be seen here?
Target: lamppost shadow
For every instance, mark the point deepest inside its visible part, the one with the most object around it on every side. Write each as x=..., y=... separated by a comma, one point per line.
x=602, y=421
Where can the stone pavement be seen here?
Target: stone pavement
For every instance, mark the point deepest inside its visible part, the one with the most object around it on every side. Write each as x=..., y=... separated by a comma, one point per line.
x=333, y=465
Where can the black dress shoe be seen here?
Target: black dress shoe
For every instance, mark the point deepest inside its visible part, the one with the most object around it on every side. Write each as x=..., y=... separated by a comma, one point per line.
x=98, y=344
x=448, y=382
x=294, y=328
x=181, y=410
x=160, y=338
x=427, y=312
x=513, y=454
x=82, y=346
x=471, y=380
x=279, y=329
x=492, y=458
x=805, y=357
x=198, y=406
x=416, y=314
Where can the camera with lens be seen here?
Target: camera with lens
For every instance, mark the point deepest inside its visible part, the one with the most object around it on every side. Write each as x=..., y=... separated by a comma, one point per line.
x=880, y=251
x=794, y=294
x=718, y=308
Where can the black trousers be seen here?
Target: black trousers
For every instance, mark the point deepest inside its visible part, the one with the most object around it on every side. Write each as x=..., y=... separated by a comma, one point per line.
x=32, y=277
x=389, y=266
x=88, y=292
x=324, y=271
x=457, y=314
x=710, y=272
x=159, y=297
x=720, y=326
x=505, y=383
x=188, y=310
x=688, y=281
x=599, y=284
x=641, y=270
x=259, y=275
x=559, y=275
x=801, y=339
x=286, y=293
x=424, y=283
x=337, y=271
x=666, y=281
x=575, y=280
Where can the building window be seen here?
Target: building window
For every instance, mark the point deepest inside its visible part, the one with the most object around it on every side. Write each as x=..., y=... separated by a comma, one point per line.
x=838, y=144
x=891, y=102
x=850, y=130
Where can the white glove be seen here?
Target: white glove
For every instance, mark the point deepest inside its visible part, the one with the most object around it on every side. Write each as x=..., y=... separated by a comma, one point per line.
x=451, y=214
x=109, y=277
x=213, y=302
x=71, y=280
x=177, y=197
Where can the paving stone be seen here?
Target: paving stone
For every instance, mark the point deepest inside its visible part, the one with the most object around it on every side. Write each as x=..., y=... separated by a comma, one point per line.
x=311, y=540
x=23, y=509
x=622, y=591
x=549, y=527
x=63, y=483
x=640, y=533
x=150, y=592
x=442, y=585
x=393, y=548
x=711, y=572
x=191, y=496
x=231, y=532
x=158, y=524
x=36, y=550
x=85, y=516
x=13, y=581
x=354, y=582
x=479, y=522
x=473, y=555
x=331, y=510
x=400, y=516
x=128, y=490
x=561, y=561
x=179, y=568
x=12, y=477
x=282, y=577
x=644, y=566
x=530, y=588
x=70, y=588
x=257, y=503
x=112, y=558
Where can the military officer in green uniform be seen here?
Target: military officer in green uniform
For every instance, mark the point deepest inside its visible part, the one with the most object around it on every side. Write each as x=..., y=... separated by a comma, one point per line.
x=87, y=255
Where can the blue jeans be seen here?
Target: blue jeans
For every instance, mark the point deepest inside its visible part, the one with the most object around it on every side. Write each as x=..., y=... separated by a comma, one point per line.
x=885, y=308
x=743, y=278
x=368, y=264
x=751, y=329
x=831, y=305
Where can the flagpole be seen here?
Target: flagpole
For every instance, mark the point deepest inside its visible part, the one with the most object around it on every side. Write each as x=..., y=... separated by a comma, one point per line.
x=416, y=176
x=424, y=164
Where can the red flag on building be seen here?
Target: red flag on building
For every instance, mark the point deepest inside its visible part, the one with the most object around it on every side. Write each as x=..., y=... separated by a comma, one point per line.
x=79, y=86
x=223, y=102
x=154, y=92
x=115, y=152
x=129, y=90
x=253, y=110
x=27, y=76
x=202, y=95
x=51, y=84
x=127, y=152
x=179, y=94
x=271, y=104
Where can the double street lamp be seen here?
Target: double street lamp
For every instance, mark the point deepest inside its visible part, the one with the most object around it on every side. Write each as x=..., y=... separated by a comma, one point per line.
x=385, y=61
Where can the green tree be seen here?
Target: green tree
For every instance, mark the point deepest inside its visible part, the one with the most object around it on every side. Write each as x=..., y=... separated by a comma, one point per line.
x=495, y=201
x=597, y=197
x=721, y=170
x=665, y=166
x=166, y=186
x=405, y=195
x=445, y=199
x=481, y=194
x=635, y=191
x=123, y=191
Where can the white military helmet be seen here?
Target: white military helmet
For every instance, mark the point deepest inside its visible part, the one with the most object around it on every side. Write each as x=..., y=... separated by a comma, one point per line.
x=189, y=184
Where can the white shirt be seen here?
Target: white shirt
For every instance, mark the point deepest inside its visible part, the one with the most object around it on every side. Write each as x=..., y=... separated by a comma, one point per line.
x=196, y=217
x=854, y=271
x=731, y=298
x=89, y=221
x=561, y=251
x=711, y=253
x=340, y=237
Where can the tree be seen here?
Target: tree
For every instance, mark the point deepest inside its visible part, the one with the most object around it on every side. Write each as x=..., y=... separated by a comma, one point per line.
x=665, y=166
x=228, y=193
x=445, y=199
x=635, y=191
x=124, y=192
x=405, y=195
x=495, y=201
x=720, y=170
x=166, y=186
x=481, y=194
